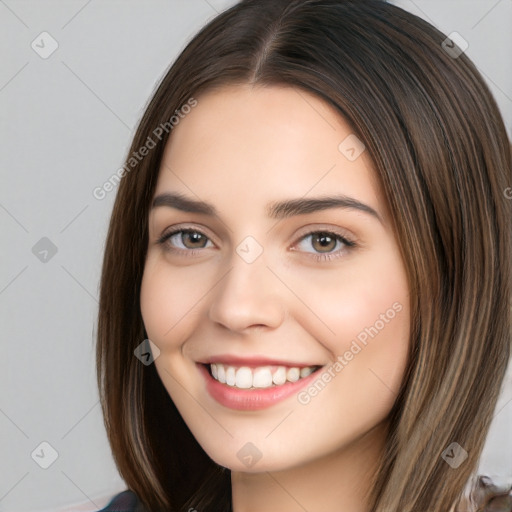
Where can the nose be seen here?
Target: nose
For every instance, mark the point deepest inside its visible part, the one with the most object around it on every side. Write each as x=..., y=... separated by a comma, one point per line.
x=249, y=295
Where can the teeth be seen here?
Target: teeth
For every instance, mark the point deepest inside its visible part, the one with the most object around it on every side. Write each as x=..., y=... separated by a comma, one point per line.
x=293, y=374
x=230, y=376
x=279, y=377
x=243, y=378
x=260, y=377
x=221, y=373
x=304, y=372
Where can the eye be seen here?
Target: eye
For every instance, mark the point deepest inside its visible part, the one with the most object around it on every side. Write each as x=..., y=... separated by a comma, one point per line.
x=326, y=244
x=185, y=240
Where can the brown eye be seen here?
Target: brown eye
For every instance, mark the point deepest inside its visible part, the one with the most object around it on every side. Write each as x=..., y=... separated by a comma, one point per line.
x=323, y=242
x=325, y=245
x=193, y=239
x=185, y=240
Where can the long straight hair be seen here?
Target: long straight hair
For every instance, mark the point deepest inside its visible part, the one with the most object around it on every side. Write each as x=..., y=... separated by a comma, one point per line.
x=442, y=158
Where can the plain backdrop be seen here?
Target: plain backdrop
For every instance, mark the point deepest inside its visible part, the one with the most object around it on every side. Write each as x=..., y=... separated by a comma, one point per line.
x=66, y=124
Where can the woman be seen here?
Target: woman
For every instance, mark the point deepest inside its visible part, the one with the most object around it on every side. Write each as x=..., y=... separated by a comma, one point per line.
x=305, y=297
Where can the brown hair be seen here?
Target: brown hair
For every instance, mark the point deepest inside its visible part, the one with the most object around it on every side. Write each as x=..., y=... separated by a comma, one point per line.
x=443, y=159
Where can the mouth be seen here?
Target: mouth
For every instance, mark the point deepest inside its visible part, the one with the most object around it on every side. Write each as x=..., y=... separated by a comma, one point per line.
x=254, y=385
x=258, y=377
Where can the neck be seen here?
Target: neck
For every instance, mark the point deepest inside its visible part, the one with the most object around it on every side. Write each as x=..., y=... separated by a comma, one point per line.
x=339, y=481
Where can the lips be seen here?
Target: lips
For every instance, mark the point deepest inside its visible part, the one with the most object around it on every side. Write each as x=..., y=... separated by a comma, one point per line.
x=254, y=383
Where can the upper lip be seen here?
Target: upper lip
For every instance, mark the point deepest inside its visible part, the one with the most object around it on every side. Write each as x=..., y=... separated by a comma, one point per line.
x=253, y=361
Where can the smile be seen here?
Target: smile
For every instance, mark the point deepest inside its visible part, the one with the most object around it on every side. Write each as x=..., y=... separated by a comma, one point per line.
x=251, y=388
x=261, y=377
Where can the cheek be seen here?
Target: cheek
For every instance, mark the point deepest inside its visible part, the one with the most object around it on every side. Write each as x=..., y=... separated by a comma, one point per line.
x=368, y=312
x=365, y=326
x=366, y=300
x=167, y=301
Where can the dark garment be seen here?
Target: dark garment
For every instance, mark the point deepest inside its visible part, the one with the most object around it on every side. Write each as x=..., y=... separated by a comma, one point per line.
x=124, y=502
x=486, y=497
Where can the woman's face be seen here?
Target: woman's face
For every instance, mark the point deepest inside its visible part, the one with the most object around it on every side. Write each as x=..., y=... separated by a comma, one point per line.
x=291, y=267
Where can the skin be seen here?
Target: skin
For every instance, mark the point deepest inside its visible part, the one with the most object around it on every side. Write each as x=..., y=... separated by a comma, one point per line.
x=239, y=149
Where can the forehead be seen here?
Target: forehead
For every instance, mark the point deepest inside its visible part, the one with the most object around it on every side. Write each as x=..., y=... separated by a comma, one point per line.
x=265, y=143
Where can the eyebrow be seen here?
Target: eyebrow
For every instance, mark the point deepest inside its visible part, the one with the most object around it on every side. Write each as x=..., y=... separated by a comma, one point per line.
x=276, y=210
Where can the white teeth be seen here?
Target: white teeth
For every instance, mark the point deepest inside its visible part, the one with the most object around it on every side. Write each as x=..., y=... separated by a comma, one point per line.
x=293, y=374
x=243, y=378
x=260, y=377
x=221, y=373
x=279, y=377
x=304, y=372
x=230, y=376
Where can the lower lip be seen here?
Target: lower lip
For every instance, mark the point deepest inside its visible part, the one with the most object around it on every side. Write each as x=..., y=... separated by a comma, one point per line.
x=251, y=399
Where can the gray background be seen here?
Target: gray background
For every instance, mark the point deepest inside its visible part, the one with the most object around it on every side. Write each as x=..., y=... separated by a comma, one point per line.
x=67, y=121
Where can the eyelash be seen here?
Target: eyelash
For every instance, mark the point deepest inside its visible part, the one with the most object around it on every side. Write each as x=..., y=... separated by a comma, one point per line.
x=349, y=244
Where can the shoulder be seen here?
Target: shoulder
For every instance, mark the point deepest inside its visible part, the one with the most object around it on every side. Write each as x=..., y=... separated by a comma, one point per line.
x=125, y=501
